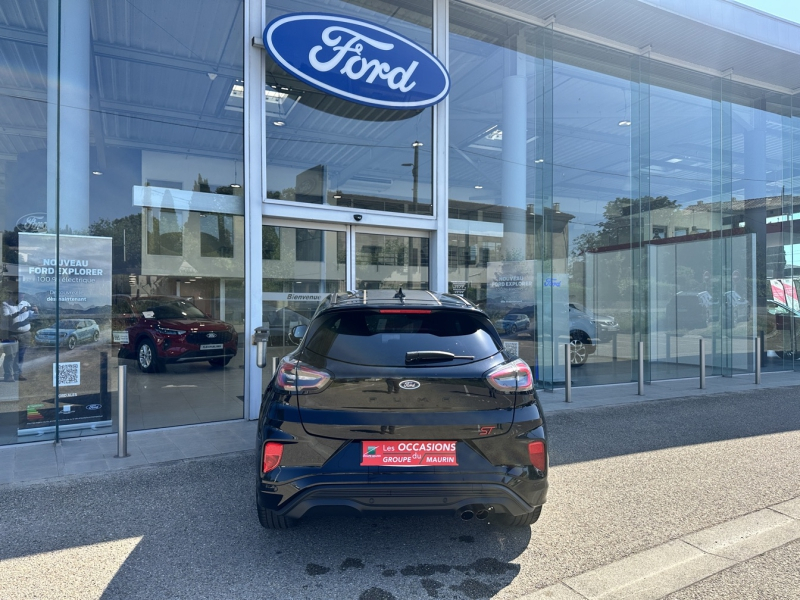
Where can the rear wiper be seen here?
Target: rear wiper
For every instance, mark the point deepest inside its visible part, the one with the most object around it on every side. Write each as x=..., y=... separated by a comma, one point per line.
x=433, y=355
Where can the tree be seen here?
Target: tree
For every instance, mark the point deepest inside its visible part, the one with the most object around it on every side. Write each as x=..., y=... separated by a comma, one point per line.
x=619, y=218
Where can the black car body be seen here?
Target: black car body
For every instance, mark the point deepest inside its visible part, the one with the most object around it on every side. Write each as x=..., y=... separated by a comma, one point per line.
x=401, y=404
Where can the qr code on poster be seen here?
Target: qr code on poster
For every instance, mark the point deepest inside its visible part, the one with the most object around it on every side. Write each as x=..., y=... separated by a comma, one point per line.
x=68, y=374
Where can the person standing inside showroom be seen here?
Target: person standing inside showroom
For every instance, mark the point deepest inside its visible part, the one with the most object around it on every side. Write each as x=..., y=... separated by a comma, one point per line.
x=17, y=315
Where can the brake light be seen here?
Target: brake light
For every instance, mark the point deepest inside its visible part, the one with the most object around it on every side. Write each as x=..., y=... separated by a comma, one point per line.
x=510, y=377
x=538, y=455
x=404, y=311
x=273, y=453
x=294, y=376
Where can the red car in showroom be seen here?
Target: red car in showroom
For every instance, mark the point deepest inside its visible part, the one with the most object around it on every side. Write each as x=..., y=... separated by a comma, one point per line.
x=168, y=329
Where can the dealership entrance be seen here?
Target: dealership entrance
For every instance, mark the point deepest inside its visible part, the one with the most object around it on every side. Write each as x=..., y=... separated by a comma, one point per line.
x=304, y=261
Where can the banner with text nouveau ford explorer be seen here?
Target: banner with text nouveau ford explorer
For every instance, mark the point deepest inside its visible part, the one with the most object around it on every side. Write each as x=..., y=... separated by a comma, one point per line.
x=81, y=331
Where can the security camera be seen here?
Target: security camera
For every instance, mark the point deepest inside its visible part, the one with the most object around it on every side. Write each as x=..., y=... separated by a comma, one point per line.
x=357, y=217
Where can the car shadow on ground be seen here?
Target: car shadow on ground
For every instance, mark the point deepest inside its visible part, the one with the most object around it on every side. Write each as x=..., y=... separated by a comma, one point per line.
x=200, y=538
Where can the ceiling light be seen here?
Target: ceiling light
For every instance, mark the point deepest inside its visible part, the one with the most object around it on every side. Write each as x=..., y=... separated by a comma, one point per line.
x=675, y=160
x=539, y=160
x=235, y=185
x=478, y=187
x=624, y=123
x=97, y=172
x=278, y=123
x=337, y=196
x=416, y=144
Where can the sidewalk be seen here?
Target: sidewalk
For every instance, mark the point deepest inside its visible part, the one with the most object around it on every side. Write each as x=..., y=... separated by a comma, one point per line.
x=96, y=454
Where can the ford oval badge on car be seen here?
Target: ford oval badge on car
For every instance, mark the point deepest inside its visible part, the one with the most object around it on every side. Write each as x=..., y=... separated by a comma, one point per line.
x=356, y=60
x=409, y=384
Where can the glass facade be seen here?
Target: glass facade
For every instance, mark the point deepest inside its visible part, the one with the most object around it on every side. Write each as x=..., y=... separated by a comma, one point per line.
x=603, y=199
x=589, y=199
x=121, y=171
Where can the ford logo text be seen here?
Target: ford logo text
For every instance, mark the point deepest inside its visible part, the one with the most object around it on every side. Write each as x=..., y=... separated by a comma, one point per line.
x=409, y=384
x=357, y=61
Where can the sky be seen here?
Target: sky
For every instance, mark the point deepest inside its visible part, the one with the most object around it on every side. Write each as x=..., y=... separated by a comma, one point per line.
x=786, y=9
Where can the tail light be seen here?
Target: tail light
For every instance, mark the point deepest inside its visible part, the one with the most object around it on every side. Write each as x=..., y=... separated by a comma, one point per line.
x=511, y=377
x=273, y=453
x=294, y=376
x=538, y=455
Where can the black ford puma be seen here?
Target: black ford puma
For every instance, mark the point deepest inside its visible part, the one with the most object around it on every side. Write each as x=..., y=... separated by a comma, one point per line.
x=400, y=402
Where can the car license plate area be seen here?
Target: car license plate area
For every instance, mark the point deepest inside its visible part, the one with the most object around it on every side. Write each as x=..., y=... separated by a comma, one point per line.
x=415, y=453
x=211, y=347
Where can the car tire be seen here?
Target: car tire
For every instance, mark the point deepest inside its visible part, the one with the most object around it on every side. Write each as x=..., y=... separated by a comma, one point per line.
x=220, y=362
x=72, y=341
x=146, y=357
x=269, y=519
x=513, y=329
x=95, y=336
x=525, y=520
x=578, y=351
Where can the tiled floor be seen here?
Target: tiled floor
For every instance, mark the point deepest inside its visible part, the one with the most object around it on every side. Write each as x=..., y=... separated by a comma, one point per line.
x=44, y=460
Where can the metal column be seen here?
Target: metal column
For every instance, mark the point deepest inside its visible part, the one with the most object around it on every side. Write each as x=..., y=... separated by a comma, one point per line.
x=122, y=430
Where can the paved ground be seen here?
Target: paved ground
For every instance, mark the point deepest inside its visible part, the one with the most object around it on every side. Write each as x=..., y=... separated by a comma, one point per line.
x=625, y=481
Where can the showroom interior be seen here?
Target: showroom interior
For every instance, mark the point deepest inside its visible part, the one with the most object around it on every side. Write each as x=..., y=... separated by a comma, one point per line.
x=595, y=178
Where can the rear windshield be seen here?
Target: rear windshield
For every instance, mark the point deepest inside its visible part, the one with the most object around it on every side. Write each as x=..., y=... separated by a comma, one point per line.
x=379, y=339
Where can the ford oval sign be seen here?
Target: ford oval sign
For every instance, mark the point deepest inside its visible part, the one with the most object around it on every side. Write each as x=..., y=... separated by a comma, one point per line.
x=409, y=384
x=357, y=61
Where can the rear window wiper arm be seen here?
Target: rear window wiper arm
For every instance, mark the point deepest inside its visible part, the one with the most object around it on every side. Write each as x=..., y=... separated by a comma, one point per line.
x=433, y=355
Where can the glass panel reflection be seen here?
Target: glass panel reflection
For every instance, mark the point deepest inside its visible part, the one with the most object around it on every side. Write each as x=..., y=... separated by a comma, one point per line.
x=300, y=266
x=324, y=150
x=391, y=262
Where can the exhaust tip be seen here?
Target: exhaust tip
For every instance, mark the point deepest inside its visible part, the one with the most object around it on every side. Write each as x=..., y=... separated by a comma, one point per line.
x=467, y=515
x=481, y=515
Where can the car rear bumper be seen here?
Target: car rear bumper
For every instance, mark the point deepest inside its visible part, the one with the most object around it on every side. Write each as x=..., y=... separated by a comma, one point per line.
x=408, y=498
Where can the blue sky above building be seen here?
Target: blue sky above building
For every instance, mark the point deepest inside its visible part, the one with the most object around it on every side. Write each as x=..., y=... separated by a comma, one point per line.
x=786, y=9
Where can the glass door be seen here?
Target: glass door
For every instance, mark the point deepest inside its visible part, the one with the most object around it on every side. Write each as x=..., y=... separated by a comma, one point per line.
x=302, y=262
x=389, y=259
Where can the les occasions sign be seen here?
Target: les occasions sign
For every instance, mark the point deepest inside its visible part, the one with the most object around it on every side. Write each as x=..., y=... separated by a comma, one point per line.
x=357, y=61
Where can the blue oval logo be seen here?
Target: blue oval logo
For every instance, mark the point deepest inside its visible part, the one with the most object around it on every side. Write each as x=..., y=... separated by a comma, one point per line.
x=357, y=61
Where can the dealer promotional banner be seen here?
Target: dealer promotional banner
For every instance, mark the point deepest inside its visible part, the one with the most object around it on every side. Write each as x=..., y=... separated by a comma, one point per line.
x=82, y=332
x=510, y=284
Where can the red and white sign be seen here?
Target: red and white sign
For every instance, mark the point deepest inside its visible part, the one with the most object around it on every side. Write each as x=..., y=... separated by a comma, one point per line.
x=408, y=454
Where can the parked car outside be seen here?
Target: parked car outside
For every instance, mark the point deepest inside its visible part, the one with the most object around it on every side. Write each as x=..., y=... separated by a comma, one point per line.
x=605, y=325
x=583, y=338
x=512, y=323
x=281, y=321
x=169, y=329
x=71, y=332
x=400, y=405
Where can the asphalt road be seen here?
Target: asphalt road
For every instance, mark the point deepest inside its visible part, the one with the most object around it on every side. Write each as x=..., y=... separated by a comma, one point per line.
x=623, y=480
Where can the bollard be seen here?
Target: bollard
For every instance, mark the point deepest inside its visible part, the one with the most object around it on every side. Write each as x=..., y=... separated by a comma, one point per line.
x=567, y=374
x=702, y=364
x=758, y=359
x=640, y=360
x=122, y=431
x=614, y=346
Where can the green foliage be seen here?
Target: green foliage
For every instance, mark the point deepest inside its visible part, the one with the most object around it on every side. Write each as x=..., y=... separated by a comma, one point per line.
x=619, y=219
